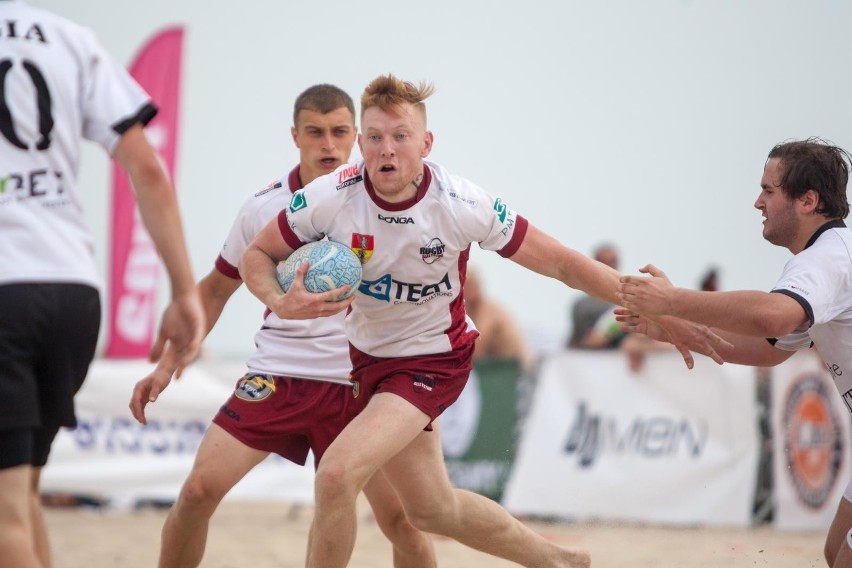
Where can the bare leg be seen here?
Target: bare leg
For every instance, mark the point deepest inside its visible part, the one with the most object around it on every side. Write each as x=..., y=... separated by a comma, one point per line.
x=838, y=553
x=221, y=462
x=392, y=428
x=40, y=540
x=17, y=540
x=411, y=547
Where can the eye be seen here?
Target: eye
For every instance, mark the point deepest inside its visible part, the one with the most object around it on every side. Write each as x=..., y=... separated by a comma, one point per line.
x=374, y=138
x=401, y=137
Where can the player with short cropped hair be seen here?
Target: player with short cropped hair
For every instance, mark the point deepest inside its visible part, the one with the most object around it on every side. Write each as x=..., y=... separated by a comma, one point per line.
x=296, y=395
x=803, y=200
x=411, y=342
x=59, y=86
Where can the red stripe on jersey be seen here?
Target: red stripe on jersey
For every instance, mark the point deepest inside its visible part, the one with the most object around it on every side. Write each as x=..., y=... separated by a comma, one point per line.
x=458, y=333
x=521, y=226
x=227, y=269
x=289, y=236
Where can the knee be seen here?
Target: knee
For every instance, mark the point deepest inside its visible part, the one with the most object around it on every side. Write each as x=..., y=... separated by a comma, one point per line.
x=433, y=518
x=335, y=482
x=198, y=497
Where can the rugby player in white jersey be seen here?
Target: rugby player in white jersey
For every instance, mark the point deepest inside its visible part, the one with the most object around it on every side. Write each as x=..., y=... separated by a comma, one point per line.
x=413, y=224
x=58, y=86
x=296, y=395
x=803, y=201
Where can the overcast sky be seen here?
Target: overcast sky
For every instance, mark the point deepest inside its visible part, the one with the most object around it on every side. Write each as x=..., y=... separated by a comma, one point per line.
x=642, y=123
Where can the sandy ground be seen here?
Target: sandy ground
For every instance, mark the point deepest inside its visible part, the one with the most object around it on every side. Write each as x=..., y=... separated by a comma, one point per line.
x=274, y=535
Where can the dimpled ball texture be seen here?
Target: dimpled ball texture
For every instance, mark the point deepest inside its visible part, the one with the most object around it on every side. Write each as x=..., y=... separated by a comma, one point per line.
x=331, y=265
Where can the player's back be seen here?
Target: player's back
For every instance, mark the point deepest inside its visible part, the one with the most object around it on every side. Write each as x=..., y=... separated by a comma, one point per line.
x=58, y=86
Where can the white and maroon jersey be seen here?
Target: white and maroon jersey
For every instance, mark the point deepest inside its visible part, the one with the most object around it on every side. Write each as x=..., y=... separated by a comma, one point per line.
x=414, y=254
x=820, y=279
x=305, y=349
x=56, y=84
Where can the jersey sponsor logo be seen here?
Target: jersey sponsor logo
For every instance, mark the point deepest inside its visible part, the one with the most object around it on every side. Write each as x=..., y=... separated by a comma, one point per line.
x=298, y=201
x=501, y=209
x=254, y=387
x=396, y=220
x=348, y=176
x=389, y=289
x=268, y=188
x=813, y=439
x=432, y=251
x=362, y=246
x=423, y=383
x=42, y=184
x=452, y=193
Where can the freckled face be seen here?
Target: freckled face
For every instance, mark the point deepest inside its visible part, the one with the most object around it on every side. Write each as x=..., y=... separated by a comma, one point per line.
x=393, y=146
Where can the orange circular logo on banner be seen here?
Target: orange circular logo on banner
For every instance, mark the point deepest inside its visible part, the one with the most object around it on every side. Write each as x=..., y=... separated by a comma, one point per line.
x=813, y=440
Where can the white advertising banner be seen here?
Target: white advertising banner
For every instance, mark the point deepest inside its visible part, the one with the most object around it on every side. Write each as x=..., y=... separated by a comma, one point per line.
x=811, y=445
x=664, y=445
x=110, y=456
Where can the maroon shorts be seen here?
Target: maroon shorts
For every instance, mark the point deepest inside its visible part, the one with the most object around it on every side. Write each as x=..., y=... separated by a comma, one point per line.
x=429, y=382
x=287, y=416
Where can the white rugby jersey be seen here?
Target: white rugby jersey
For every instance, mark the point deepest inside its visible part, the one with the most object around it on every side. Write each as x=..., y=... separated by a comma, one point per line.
x=307, y=349
x=820, y=279
x=414, y=254
x=57, y=84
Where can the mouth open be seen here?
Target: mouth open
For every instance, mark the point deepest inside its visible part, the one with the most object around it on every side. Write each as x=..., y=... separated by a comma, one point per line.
x=387, y=168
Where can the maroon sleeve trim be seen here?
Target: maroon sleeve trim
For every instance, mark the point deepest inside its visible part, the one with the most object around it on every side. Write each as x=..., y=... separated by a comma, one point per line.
x=521, y=226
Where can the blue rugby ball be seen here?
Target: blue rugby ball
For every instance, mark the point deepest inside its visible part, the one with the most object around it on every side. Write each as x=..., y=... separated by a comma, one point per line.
x=331, y=265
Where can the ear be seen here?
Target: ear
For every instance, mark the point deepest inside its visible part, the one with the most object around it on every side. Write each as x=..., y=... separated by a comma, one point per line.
x=360, y=147
x=809, y=201
x=295, y=135
x=427, y=144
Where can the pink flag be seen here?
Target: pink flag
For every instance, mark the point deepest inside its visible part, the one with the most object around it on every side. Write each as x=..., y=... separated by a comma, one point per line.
x=134, y=272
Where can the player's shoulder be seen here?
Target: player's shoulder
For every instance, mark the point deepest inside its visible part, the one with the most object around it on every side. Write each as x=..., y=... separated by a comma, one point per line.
x=47, y=27
x=455, y=190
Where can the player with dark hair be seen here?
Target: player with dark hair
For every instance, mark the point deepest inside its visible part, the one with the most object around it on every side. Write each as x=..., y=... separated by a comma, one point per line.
x=803, y=200
x=296, y=395
x=411, y=341
x=59, y=86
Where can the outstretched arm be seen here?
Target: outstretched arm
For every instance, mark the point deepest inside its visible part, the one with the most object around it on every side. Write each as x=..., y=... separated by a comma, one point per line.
x=215, y=290
x=753, y=313
x=542, y=253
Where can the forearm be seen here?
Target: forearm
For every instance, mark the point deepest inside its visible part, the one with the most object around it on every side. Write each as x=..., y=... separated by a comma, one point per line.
x=748, y=350
x=750, y=313
x=259, y=274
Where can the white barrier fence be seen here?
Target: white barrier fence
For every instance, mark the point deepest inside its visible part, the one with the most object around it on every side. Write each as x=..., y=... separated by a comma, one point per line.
x=664, y=445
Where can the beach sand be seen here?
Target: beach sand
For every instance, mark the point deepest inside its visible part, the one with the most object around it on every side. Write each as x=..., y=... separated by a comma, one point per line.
x=273, y=535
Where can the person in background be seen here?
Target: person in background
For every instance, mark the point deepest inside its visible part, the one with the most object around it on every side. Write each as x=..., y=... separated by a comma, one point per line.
x=296, y=394
x=500, y=336
x=58, y=86
x=592, y=324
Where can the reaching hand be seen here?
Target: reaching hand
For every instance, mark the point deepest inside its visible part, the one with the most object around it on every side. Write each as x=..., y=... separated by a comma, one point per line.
x=299, y=303
x=147, y=390
x=647, y=296
x=183, y=328
x=685, y=335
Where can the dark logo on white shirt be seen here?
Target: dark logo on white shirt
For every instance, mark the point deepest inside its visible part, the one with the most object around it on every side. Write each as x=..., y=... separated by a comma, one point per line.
x=432, y=251
x=396, y=220
x=389, y=289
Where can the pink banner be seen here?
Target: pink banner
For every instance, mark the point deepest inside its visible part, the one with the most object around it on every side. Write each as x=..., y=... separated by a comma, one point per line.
x=134, y=272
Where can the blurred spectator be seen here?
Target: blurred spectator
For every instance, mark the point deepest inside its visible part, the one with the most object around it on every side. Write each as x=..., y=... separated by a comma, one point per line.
x=593, y=324
x=500, y=335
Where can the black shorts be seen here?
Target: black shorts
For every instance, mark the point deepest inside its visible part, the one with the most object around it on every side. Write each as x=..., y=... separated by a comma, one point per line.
x=48, y=335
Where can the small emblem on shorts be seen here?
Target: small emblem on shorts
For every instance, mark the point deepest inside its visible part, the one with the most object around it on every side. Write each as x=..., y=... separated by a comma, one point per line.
x=423, y=383
x=356, y=388
x=254, y=387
